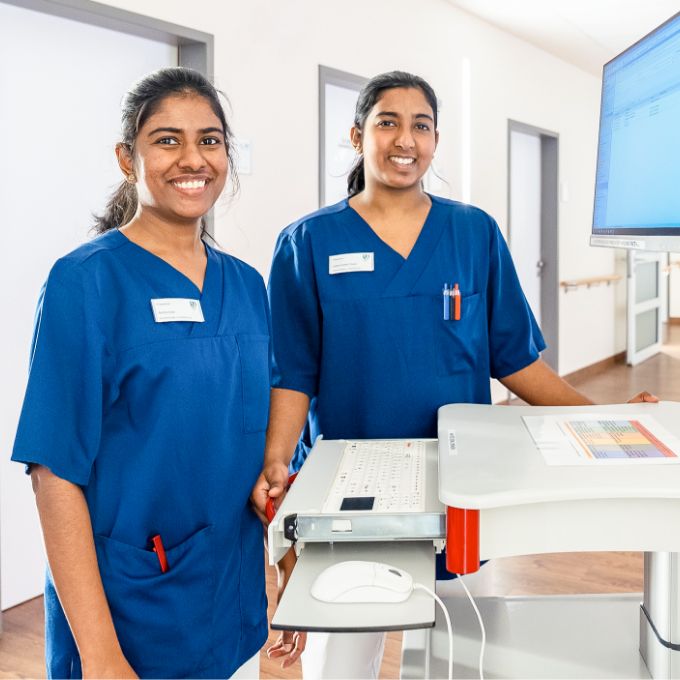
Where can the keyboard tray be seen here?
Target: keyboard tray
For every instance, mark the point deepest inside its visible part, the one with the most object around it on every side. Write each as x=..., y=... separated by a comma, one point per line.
x=300, y=518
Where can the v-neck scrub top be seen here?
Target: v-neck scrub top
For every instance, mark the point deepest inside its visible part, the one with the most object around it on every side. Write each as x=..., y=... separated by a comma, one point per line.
x=162, y=425
x=371, y=348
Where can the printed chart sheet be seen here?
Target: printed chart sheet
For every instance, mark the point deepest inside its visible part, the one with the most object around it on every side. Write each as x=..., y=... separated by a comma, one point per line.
x=585, y=439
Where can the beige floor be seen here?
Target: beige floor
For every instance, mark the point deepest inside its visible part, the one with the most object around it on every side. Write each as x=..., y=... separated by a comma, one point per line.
x=21, y=645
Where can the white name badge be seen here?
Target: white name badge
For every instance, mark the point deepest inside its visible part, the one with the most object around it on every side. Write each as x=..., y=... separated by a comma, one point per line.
x=176, y=309
x=350, y=262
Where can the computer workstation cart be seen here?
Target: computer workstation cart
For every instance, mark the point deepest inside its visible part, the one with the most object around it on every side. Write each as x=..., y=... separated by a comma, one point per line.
x=501, y=499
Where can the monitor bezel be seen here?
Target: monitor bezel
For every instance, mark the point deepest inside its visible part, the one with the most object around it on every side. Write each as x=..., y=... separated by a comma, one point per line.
x=652, y=237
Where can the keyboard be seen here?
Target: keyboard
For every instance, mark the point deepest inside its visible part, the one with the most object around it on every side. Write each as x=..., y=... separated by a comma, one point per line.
x=379, y=476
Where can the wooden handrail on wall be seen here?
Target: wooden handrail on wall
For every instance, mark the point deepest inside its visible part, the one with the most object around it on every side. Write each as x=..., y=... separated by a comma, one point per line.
x=574, y=284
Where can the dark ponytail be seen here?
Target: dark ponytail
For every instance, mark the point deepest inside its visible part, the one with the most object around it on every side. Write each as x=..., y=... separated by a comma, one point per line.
x=142, y=101
x=355, y=179
x=120, y=208
x=368, y=98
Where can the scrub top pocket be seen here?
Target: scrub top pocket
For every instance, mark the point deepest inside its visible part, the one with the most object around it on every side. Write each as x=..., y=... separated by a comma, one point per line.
x=253, y=352
x=164, y=621
x=462, y=345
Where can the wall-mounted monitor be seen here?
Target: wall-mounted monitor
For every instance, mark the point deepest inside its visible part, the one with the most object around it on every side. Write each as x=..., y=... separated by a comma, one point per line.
x=637, y=186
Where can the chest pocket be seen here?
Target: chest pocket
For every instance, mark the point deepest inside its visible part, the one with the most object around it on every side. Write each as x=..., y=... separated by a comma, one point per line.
x=253, y=353
x=462, y=345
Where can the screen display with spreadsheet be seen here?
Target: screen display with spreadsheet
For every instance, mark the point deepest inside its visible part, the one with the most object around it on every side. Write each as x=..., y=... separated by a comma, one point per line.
x=637, y=187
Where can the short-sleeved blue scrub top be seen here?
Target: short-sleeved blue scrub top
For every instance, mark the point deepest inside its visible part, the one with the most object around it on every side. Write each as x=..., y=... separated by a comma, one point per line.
x=162, y=425
x=371, y=348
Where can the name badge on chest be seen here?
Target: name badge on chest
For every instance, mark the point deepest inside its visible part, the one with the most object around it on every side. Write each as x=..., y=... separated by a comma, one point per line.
x=176, y=309
x=350, y=262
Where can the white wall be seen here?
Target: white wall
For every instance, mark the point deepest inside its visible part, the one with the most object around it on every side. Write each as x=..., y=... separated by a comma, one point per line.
x=266, y=58
x=267, y=54
x=60, y=119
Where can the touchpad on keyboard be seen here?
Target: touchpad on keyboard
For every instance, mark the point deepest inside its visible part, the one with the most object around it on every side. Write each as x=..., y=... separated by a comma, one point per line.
x=358, y=503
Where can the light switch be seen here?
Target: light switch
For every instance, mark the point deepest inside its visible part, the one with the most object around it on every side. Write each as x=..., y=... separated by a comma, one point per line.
x=244, y=149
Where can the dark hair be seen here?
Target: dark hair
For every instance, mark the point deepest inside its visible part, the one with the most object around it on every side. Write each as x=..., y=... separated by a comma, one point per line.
x=143, y=100
x=368, y=97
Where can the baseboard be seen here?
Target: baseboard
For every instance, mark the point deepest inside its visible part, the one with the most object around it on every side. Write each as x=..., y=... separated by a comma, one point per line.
x=673, y=321
x=596, y=368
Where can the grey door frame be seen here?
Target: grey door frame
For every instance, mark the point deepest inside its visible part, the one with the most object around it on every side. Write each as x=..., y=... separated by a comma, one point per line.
x=195, y=49
x=331, y=76
x=550, y=285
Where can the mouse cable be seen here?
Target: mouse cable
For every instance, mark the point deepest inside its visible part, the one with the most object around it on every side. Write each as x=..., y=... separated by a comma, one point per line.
x=432, y=594
x=481, y=625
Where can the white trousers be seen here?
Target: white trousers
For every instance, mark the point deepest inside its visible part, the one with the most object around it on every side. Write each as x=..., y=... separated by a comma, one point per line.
x=343, y=655
x=250, y=670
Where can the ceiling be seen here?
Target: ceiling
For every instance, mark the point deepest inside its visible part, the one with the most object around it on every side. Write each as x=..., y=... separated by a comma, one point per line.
x=586, y=33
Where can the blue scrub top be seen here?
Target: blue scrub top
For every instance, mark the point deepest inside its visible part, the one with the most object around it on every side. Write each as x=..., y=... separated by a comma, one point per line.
x=162, y=425
x=372, y=349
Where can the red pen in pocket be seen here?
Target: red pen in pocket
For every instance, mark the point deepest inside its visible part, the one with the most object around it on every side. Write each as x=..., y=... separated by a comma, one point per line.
x=456, y=302
x=160, y=552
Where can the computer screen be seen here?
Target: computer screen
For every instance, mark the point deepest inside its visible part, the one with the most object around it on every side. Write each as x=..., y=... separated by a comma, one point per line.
x=637, y=186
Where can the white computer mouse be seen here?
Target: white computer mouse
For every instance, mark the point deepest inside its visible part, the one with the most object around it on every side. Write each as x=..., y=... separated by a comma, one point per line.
x=358, y=581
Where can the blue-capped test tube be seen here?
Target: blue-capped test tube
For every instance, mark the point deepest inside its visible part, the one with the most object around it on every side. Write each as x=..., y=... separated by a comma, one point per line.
x=446, y=295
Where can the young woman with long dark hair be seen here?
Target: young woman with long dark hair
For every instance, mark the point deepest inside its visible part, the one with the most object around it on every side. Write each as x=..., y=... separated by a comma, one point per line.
x=362, y=346
x=144, y=418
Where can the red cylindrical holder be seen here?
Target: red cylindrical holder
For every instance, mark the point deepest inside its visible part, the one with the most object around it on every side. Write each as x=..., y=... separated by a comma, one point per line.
x=462, y=540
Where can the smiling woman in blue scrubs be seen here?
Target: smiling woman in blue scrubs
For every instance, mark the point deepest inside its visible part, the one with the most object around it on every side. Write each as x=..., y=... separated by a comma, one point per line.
x=362, y=345
x=144, y=417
